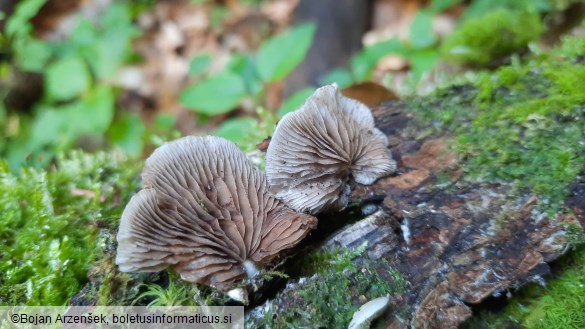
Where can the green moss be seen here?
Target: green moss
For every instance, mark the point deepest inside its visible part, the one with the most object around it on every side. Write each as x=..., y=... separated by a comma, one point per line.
x=111, y=287
x=492, y=36
x=166, y=288
x=49, y=222
x=522, y=123
x=179, y=293
x=326, y=301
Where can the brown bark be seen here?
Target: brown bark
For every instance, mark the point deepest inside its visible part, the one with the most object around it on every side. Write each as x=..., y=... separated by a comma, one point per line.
x=457, y=242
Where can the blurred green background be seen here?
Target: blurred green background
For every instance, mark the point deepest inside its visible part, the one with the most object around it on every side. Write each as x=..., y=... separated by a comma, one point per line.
x=77, y=76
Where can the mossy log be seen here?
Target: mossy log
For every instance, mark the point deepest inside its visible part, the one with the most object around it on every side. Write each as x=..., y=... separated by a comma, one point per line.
x=457, y=242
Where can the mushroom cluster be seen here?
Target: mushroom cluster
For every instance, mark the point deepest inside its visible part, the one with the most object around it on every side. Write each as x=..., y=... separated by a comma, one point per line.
x=319, y=150
x=205, y=211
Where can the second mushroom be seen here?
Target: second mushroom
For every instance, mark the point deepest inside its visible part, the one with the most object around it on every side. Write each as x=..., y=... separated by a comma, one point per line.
x=318, y=151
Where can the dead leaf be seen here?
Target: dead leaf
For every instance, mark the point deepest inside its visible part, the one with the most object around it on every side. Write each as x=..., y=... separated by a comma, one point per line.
x=369, y=93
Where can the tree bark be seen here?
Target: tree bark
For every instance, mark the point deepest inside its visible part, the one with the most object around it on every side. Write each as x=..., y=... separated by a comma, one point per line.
x=457, y=242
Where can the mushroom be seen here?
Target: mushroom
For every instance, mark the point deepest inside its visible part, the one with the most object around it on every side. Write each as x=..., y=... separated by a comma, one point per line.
x=205, y=211
x=317, y=152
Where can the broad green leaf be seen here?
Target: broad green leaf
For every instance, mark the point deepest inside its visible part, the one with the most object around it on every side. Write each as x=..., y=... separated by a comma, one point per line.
x=279, y=55
x=108, y=45
x=421, y=30
x=50, y=127
x=32, y=55
x=114, y=44
x=245, y=67
x=479, y=8
x=235, y=129
x=363, y=63
x=218, y=94
x=18, y=22
x=90, y=115
x=127, y=134
x=421, y=62
x=66, y=78
x=84, y=34
x=438, y=6
x=340, y=76
x=165, y=121
x=199, y=64
x=97, y=110
x=295, y=101
x=117, y=15
x=110, y=53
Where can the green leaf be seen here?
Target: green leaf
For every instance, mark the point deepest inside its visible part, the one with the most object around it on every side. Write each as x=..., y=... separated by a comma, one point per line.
x=32, y=55
x=105, y=47
x=110, y=53
x=235, y=129
x=438, y=6
x=363, y=63
x=49, y=127
x=245, y=67
x=127, y=134
x=91, y=115
x=279, y=55
x=18, y=22
x=199, y=64
x=295, y=101
x=421, y=62
x=165, y=122
x=84, y=34
x=114, y=45
x=96, y=111
x=218, y=94
x=480, y=8
x=116, y=16
x=421, y=30
x=340, y=76
x=66, y=78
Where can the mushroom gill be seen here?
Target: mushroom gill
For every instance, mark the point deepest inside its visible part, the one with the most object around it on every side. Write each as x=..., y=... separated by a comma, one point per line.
x=205, y=211
x=318, y=151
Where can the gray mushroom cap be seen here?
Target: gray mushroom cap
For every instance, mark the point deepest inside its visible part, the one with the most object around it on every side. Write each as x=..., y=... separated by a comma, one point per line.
x=205, y=211
x=317, y=150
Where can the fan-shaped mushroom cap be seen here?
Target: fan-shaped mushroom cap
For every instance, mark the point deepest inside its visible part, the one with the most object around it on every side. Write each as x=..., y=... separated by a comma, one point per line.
x=317, y=149
x=205, y=211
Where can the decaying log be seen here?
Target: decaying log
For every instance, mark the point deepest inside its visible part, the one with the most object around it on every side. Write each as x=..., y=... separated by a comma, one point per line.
x=457, y=242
